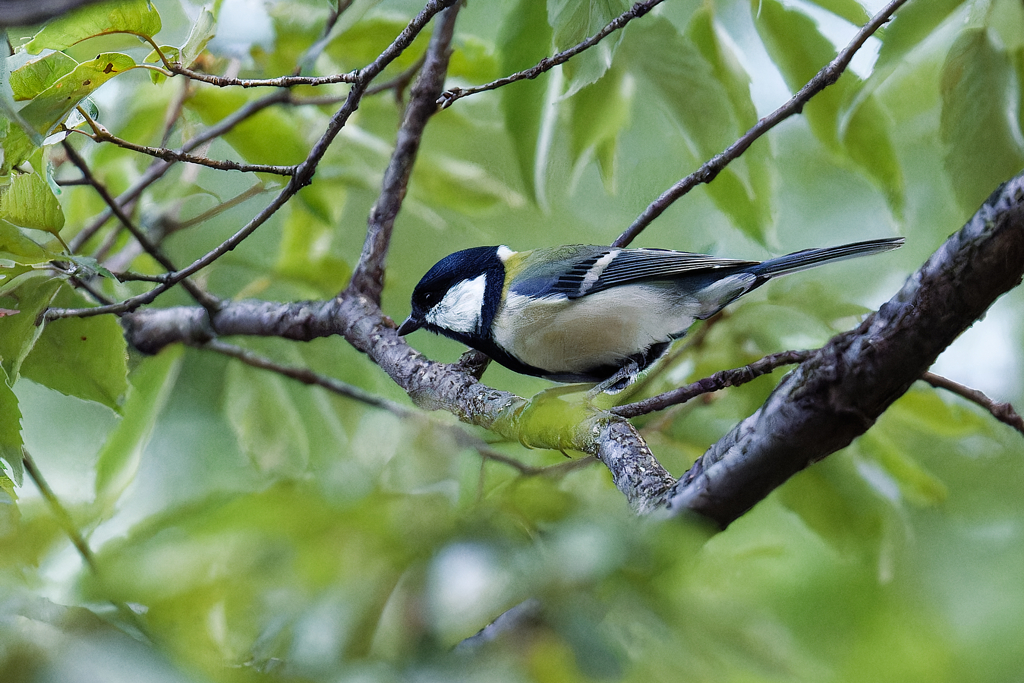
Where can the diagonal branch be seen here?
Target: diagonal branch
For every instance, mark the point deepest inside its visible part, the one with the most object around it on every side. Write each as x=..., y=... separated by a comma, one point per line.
x=838, y=393
x=368, y=277
x=828, y=75
x=716, y=382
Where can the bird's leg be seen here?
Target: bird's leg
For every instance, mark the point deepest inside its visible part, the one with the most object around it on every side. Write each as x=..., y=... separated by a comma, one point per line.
x=625, y=376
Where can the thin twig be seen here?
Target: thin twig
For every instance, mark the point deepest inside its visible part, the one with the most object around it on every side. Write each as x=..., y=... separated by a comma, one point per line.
x=531, y=471
x=129, y=276
x=307, y=376
x=253, y=190
x=205, y=299
x=97, y=295
x=75, y=536
x=828, y=75
x=449, y=97
x=59, y=511
x=400, y=82
x=103, y=135
x=716, y=382
x=1003, y=412
x=279, y=82
x=314, y=50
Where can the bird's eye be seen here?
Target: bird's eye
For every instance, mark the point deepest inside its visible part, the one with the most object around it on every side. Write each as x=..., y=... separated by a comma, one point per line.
x=430, y=298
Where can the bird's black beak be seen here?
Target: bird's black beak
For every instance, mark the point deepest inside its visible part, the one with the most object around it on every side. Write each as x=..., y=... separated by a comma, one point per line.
x=410, y=325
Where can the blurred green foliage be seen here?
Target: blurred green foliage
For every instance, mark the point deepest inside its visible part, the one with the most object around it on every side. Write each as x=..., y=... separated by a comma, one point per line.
x=249, y=528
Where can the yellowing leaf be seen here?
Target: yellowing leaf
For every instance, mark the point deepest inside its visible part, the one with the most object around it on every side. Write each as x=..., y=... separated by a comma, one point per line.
x=39, y=74
x=53, y=105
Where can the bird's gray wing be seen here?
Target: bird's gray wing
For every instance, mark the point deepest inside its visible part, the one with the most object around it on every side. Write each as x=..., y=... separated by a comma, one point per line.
x=615, y=267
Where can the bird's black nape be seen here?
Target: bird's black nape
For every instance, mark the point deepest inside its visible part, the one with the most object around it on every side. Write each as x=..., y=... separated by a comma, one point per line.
x=449, y=271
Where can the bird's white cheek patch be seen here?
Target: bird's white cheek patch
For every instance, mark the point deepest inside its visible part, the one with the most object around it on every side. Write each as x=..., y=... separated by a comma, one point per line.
x=459, y=310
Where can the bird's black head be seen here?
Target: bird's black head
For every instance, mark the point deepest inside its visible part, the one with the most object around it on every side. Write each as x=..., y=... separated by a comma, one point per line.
x=459, y=296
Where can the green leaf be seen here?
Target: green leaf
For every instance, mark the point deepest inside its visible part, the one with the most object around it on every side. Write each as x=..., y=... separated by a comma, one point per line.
x=138, y=17
x=265, y=421
x=599, y=114
x=305, y=253
x=83, y=357
x=926, y=411
x=17, y=147
x=983, y=147
x=916, y=483
x=524, y=40
x=911, y=25
x=30, y=294
x=851, y=10
x=754, y=170
x=272, y=136
x=39, y=74
x=88, y=267
x=201, y=33
x=572, y=22
x=473, y=59
x=28, y=202
x=851, y=127
x=52, y=106
x=867, y=141
x=676, y=72
x=20, y=249
x=799, y=51
x=10, y=430
x=118, y=462
x=455, y=183
x=366, y=39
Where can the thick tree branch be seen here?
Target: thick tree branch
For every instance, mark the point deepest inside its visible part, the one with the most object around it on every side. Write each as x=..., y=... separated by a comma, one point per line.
x=839, y=392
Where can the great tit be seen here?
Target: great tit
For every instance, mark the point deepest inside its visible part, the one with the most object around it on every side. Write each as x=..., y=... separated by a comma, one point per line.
x=587, y=313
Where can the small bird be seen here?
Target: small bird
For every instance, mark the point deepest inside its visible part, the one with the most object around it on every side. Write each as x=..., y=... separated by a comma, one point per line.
x=587, y=313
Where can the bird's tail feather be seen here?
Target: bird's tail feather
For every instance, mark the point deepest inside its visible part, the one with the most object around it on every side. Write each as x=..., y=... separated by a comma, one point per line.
x=809, y=258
